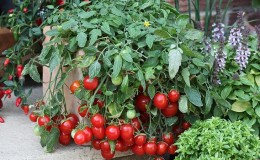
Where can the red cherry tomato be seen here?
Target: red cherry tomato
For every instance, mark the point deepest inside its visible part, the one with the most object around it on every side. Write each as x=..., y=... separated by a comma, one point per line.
x=2, y=120
x=140, y=139
x=19, y=70
x=64, y=139
x=105, y=146
x=99, y=132
x=7, y=61
x=138, y=150
x=74, y=86
x=136, y=124
x=25, y=10
x=11, y=11
x=174, y=96
x=8, y=92
x=18, y=101
x=171, y=110
x=89, y=134
x=119, y=146
x=83, y=112
x=10, y=77
x=38, y=21
x=126, y=131
x=80, y=137
x=107, y=155
x=67, y=126
x=112, y=132
x=33, y=117
x=73, y=118
x=153, y=139
x=160, y=101
x=168, y=138
x=129, y=142
x=43, y=121
x=150, y=148
x=172, y=149
x=97, y=120
x=186, y=125
x=96, y=144
x=177, y=130
x=161, y=148
x=90, y=84
x=25, y=109
x=144, y=117
x=99, y=102
x=141, y=101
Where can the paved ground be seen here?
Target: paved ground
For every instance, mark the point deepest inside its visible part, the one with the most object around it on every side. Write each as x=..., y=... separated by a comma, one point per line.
x=17, y=141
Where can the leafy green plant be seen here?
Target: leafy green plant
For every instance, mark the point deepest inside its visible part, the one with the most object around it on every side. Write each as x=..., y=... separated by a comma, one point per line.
x=217, y=139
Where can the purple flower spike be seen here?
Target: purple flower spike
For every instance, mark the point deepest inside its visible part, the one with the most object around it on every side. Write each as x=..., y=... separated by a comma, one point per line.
x=235, y=37
x=218, y=32
x=242, y=56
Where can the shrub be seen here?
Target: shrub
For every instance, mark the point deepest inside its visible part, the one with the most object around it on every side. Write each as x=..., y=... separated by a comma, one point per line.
x=216, y=139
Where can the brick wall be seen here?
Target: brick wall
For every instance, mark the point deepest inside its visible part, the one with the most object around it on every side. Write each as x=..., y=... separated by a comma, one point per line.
x=230, y=17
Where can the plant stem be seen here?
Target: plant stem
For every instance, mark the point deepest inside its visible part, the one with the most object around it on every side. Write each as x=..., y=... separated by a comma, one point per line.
x=177, y=5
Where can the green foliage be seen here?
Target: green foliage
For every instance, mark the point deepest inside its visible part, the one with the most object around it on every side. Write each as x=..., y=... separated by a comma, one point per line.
x=216, y=139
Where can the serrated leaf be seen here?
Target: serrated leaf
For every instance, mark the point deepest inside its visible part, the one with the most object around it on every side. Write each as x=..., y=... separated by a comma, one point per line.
x=34, y=74
x=149, y=73
x=171, y=121
x=107, y=61
x=257, y=111
x=94, y=34
x=118, y=62
x=53, y=139
x=115, y=110
x=55, y=60
x=9, y=83
x=186, y=76
x=86, y=15
x=62, y=80
x=124, y=84
x=44, y=52
x=194, y=96
x=94, y=69
x=175, y=58
x=52, y=32
x=149, y=40
x=125, y=53
x=69, y=24
x=161, y=33
x=82, y=39
x=154, y=111
x=193, y=34
x=26, y=69
x=240, y=106
x=140, y=77
x=183, y=104
x=151, y=91
x=105, y=28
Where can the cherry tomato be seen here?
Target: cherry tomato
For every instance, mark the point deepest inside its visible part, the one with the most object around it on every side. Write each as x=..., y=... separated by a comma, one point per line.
x=174, y=96
x=126, y=131
x=105, y=146
x=168, y=138
x=129, y=142
x=43, y=121
x=112, y=132
x=10, y=77
x=64, y=139
x=140, y=139
x=80, y=137
x=60, y=2
x=33, y=117
x=36, y=130
x=25, y=10
x=161, y=148
x=160, y=101
x=67, y=126
x=88, y=133
x=144, y=117
x=74, y=86
x=99, y=102
x=25, y=109
x=7, y=61
x=2, y=120
x=8, y=92
x=38, y=21
x=141, y=101
x=73, y=118
x=97, y=120
x=119, y=146
x=83, y=112
x=117, y=80
x=171, y=110
x=136, y=124
x=138, y=150
x=125, y=148
x=107, y=155
x=186, y=125
x=172, y=149
x=90, y=84
x=19, y=70
x=150, y=148
x=96, y=144
x=153, y=139
x=177, y=130
x=18, y=101
x=130, y=114
x=99, y=132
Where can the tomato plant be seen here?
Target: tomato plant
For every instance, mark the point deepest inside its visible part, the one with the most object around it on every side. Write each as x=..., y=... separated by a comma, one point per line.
x=74, y=86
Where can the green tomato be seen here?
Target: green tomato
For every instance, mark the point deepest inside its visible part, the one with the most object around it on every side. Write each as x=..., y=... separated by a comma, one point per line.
x=59, y=28
x=117, y=81
x=36, y=130
x=131, y=114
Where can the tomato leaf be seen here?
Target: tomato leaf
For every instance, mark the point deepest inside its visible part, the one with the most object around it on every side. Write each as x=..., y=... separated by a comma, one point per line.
x=171, y=121
x=175, y=58
x=151, y=91
x=124, y=85
x=125, y=53
x=105, y=28
x=62, y=80
x=55, y=60
x=186, y=76
x=94, y=69
x=94, y=34
x=149, y=40
x=183, y=104
x=162, y=33
x=112, y=145
x=82, y=39
x=140, y=77
x=194, y=96
x=115, y=110
x=34, y=74
x=118, y=62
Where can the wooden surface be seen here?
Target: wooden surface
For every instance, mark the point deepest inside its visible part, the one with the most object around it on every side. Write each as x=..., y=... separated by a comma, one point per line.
x=6, y=39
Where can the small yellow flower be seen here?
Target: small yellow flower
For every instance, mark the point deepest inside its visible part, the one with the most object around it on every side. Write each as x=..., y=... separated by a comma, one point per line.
x=147, y=23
